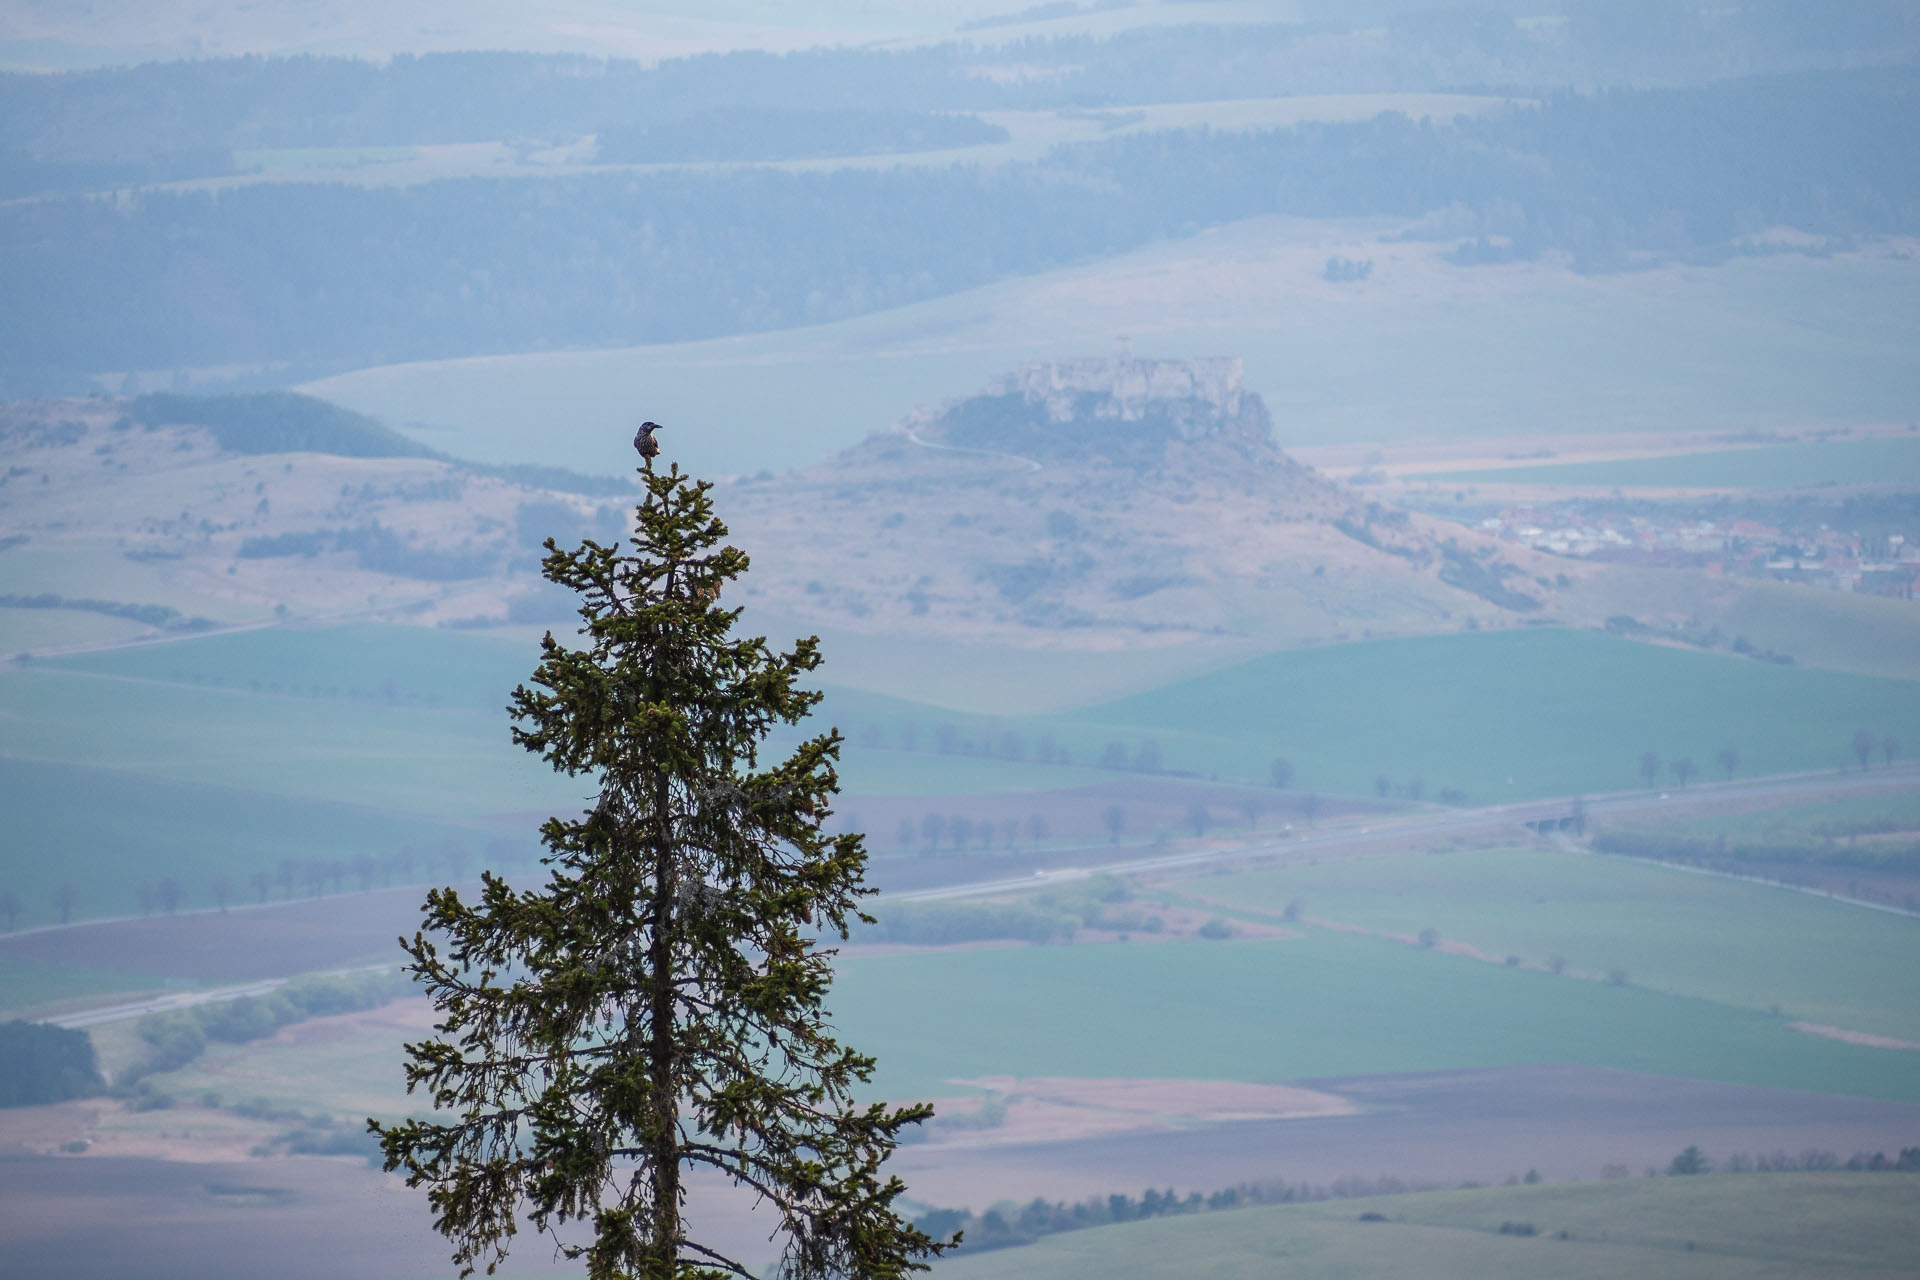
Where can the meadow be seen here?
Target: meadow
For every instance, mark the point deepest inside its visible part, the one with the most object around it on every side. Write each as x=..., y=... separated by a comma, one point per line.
x=1805, y=465
x=28, y=986
x=1330, y=1004
x=226, y=754
x=1793, y=823
x=1757, y=1227
x=108, y=833
x=1503, y=715
x=1741, y=945
x=1841, y=630
x=1420, y=349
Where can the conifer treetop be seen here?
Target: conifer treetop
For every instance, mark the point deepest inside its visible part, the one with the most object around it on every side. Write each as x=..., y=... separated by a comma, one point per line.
x=656, y=1007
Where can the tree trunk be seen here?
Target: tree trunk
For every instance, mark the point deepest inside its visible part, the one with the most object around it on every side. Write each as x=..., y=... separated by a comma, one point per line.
x=666, y=1145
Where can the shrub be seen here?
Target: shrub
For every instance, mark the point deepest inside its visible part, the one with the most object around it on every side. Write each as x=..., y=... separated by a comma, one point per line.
x=43, y=1063
x=1689, y=1163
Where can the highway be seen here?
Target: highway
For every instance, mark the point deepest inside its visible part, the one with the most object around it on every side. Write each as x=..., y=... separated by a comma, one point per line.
x=182, y=1000
x=1492, y=824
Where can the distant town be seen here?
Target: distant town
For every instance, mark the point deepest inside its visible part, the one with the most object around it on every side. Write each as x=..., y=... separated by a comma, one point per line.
x=1821, y=556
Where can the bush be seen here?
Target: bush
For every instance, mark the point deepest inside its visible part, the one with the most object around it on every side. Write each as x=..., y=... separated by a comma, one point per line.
x=42, y=1063
x=177, y=1038
x=1689, y=1163
x=1216, y=929
x=248, y=1018
x=1870, y=855
x=173, y=1039
x=147, y=1098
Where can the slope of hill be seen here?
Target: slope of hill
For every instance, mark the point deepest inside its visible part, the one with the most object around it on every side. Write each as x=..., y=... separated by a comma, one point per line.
x=1092, y=502
x=1771, y=1225
x=118, y=519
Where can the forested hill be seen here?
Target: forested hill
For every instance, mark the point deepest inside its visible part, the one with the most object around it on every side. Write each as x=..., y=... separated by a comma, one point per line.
x=210, y=105
x=321, y=278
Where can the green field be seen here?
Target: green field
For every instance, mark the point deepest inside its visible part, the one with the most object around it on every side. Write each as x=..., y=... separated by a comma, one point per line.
x=1421, y=350
x=223, y=755
x=1503, y=715
x=1669, y=930
x=29, y=985
x=1330, y=1004
x=445, y=762
x=1879, y=461
x=1732, y=1227
x=226, y=753
x=1705, y=957
x=1798, y=822
x=348, y=1076
x=108, y=832
x=411, y=718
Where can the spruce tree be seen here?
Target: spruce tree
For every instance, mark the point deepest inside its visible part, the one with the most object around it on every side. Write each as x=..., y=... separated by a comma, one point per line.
x=655, y=1007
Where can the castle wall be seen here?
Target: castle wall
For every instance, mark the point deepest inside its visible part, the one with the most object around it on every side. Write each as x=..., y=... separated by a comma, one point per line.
x=1131, y=384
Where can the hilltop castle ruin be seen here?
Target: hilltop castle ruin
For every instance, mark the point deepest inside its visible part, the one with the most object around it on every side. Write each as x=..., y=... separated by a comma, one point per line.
x=1115, y=409
x=1123, y=387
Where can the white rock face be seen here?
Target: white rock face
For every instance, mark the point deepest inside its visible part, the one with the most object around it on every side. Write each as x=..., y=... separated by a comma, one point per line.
x=1126, y=386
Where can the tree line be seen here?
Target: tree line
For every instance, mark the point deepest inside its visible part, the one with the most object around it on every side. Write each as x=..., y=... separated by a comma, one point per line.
x=1010, y=1225
x=309, y=877
x=176, y=1038
x=182, y=118
x=330, y=277
x=1719, y=851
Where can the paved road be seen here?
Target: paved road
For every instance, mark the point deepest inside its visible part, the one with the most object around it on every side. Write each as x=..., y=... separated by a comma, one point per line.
x=181, y=1000
x=1492, y=823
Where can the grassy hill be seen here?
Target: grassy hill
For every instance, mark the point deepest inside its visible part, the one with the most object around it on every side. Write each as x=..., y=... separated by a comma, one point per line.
x=383, y=736
x=1507, y=715
x=1329, y=1004
x=1769, y=1226
x=1665, y=930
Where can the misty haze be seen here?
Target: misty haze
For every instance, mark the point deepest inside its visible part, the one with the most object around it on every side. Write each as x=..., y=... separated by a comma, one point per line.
x=1364, y=559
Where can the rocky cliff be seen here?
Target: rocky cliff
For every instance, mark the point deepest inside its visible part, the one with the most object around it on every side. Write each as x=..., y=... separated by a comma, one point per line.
x=1094, y=501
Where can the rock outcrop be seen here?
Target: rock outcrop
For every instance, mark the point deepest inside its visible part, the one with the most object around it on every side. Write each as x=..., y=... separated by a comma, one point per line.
x=1125, y=411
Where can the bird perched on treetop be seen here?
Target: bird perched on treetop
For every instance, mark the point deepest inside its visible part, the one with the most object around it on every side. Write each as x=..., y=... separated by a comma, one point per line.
x=643, y=440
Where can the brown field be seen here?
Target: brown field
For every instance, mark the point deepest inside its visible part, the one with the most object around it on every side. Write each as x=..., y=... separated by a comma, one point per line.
x=1438, y=1128
x=240, y=945
x=1057, y=1109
